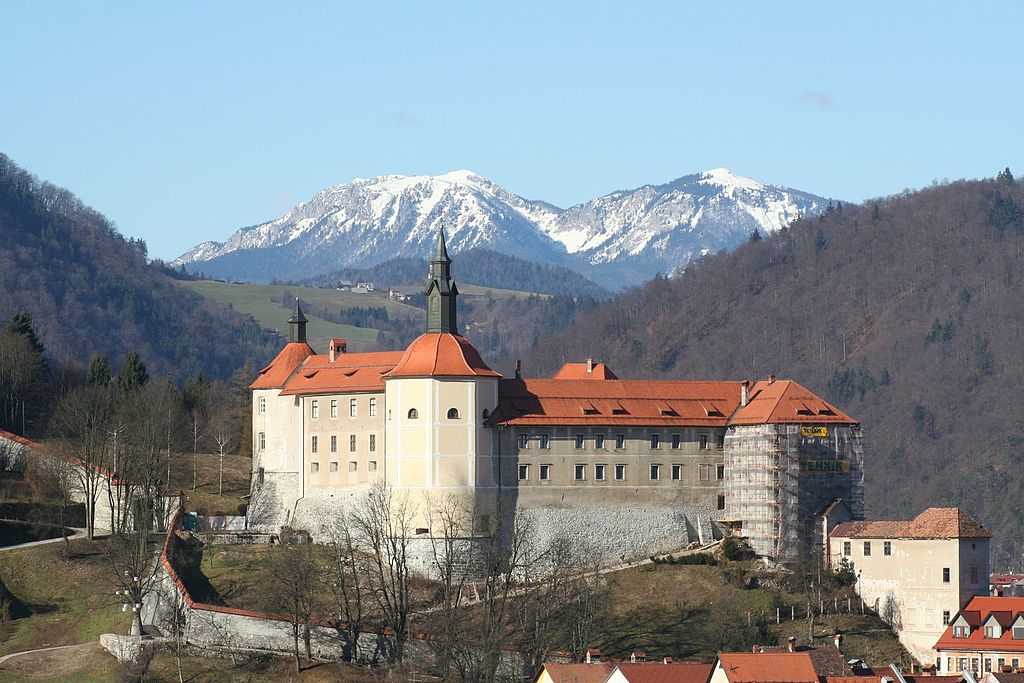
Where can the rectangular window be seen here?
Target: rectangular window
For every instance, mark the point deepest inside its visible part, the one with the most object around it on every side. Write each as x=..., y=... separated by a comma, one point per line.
x=579, y=472
x=599, y=472
x=579, y=441
x=720, y=441
x=620, y=441
x=989, y=632
x=352, y=411
x=719, y=472
x=945, y=575
x=263, y=440
x=314, y=410
x=721, y=501
x=263, y=405
x=522, y=441
x=949, y=664
x=655, y=441
x=334, y=443
x=705, y=472
x=655, y=472
x=373, y=443
x=677, y=472
x=988, y=664
x=313, y=443
x=847, y=549
x=945, y=617
x=867, y=548
x=887, y=548
x=703, y=442
x=371, y=466
x=524, y=472
x=1015, y=663
x=334, y=466
x=599, y=441
x=334, y=409
x=974, y=575
x=543, y=440
x=1018, y=632
x=620, y=472
x=373, y=407
x=1001, y=662
x=352, y=443
x=675, y=441
x=314, y=467
x=353, y=465
x=545, y=472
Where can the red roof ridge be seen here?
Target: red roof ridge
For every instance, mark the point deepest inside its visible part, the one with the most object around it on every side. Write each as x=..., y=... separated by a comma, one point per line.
x=932, y=523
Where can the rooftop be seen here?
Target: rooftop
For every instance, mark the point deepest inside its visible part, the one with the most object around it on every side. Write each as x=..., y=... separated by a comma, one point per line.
x=768, y=667
x=977, y=612
x=933, y=523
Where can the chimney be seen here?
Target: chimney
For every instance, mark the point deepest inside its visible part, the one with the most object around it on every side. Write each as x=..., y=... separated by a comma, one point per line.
x=519, y=369
x=593, y=656
x=791, y=644
x=637, y=656
x=590, y=365
x=771, y=379
x=744, y=393
x=338, y=347
x=838, y=640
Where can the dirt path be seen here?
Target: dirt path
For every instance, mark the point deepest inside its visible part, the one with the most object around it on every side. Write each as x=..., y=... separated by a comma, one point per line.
x=53, y=662
x=79, y=533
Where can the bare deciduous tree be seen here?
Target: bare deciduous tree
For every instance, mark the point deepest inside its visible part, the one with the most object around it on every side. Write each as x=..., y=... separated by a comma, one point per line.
x=345, y=577
x=58, y=480
x=292, y=592
x=224, y=433
x=383, y=523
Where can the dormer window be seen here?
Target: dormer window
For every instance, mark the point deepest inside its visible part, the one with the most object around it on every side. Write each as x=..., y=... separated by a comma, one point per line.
x=961, y=631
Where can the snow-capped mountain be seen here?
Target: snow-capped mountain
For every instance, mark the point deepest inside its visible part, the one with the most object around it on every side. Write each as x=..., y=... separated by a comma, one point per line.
x=620, y=238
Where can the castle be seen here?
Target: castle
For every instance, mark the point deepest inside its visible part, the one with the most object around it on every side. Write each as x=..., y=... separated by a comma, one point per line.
x=634, y=467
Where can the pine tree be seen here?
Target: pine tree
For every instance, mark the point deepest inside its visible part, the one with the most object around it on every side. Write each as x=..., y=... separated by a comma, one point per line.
x=1005, y=176
x=133, y=373
x=21, y=323
x=99, y=371
x=876, y=215
x=754, y=236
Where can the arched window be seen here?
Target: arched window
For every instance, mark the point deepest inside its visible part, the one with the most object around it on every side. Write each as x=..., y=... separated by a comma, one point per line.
x=486, y=414
x=413, y=414
x=453, y=413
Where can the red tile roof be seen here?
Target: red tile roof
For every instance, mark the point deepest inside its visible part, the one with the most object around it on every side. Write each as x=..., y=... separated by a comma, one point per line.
x=580, y=673
x=931, y=524
x=615, y=402
x=349, y=373
x=441, y=354
x=579, y=371
x=274, y=375
x=768, y=667
x=660, y=672
x=976, y=613
x=785, y=401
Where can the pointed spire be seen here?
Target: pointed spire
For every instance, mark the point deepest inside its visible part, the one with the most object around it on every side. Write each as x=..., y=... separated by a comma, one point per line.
x=297, y=324
x=441, y=251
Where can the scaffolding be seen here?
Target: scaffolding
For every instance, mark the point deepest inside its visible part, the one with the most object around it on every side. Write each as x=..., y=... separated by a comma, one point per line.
x=778, y=477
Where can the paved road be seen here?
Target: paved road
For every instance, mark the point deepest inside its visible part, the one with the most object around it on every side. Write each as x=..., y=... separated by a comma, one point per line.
x=42, y=649
x=79, y=533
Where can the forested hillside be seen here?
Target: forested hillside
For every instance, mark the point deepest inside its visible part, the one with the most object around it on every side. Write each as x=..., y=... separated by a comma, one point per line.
x=907, y=311
x=482, y=267
x=89, y=290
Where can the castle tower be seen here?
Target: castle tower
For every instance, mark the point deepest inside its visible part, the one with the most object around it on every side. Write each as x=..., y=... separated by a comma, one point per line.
x=438, y=397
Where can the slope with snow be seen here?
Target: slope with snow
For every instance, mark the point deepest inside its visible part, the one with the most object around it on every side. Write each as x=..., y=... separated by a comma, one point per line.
x=621, y=238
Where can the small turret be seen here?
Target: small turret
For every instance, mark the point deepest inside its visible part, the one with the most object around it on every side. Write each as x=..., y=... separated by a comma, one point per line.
x=441, y=292
x=297, y=324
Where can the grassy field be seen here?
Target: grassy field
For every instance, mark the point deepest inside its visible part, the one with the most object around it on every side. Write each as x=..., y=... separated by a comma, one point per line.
x=68, y=600
x=259, y=301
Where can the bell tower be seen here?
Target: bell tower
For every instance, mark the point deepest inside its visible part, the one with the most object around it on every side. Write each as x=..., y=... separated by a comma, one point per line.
x=441, y=292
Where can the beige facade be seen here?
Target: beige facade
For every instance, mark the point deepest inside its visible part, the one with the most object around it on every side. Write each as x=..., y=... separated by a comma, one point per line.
x=916, y=584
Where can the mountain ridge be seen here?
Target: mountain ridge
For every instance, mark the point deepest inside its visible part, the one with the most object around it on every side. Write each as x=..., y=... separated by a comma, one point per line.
x=623, y=237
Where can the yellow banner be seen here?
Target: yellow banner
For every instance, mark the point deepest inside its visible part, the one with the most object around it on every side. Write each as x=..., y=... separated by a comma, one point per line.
x=825, y=466
x=814, y=431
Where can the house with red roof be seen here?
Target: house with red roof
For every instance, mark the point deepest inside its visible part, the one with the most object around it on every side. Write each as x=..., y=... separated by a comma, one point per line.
x=916, y=574
x=986, y=636
x=632, y=466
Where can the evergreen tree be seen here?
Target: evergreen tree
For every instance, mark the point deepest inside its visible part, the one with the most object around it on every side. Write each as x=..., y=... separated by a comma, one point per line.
x=99, y=371
x=754, y=236
x=1005, y=176
x=21, y=323
x=133, y=373
x=876, y=215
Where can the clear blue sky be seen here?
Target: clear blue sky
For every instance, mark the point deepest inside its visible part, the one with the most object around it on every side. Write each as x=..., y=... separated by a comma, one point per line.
x=183, y=121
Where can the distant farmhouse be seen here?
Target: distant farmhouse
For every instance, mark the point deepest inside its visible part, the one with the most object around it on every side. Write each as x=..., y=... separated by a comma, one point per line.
x=633, y=467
